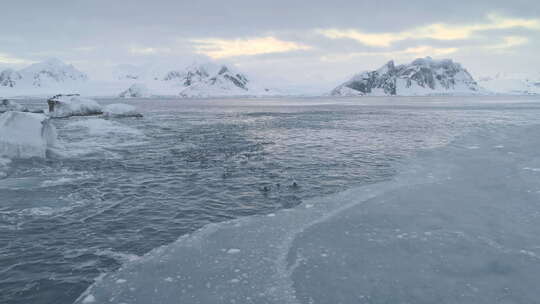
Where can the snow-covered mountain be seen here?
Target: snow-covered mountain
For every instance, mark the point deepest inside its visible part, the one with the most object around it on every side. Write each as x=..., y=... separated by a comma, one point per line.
x=424, y=76
x=212, y=80
x=9, y=78
x=194, y=81
x=49, y=73
x=518, y=84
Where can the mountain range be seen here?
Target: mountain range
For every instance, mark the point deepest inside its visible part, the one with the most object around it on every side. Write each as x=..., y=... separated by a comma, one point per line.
x=194, y=81
x=423, y=76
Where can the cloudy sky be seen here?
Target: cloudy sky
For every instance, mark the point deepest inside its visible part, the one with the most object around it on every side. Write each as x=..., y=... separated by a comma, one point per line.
x=304, y=43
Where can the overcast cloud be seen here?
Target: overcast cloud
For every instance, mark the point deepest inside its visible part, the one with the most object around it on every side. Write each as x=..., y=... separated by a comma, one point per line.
x=312, y=43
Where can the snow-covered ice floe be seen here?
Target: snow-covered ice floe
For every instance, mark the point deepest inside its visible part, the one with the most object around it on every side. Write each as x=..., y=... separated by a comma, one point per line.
x=457, y=225
x=10, y=105
x=24, y=135
x=121, y=110
x=72, y=105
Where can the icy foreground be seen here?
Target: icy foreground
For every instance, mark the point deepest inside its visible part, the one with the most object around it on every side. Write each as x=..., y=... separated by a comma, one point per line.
x=72, y=105
x=24, y=135
x=423, y=76
x=460, y=225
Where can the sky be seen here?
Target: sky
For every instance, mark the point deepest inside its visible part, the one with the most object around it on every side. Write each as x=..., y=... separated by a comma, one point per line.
x=283, y=43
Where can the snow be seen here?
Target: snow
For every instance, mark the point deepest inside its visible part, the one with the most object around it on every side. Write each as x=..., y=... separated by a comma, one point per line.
x=24, y=135
x=73, y=105
x=120, y=110
x=441, y=232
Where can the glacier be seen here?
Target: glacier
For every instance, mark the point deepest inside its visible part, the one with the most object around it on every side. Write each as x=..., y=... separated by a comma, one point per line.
x=25, y=135
x=460, y=224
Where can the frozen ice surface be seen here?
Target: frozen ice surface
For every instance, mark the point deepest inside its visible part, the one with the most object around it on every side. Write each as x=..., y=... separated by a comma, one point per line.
x=24, y=135
x=74, y=105
x=120, y=110
x=459, y=225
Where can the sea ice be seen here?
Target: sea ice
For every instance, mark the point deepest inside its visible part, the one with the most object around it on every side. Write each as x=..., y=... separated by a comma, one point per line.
x=24, y=135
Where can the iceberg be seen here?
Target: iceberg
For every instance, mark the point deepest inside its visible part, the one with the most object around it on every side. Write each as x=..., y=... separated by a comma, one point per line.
x=9, y=105
x=72, y=105
x=120, y=110
x=25, y=135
